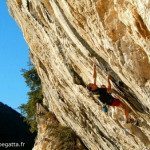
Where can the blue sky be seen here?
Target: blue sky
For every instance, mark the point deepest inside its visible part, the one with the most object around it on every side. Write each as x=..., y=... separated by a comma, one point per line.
x=13, y=57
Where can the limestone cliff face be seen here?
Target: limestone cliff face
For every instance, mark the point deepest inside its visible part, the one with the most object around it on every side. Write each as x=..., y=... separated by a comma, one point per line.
x=64, y=36
x=52, y=135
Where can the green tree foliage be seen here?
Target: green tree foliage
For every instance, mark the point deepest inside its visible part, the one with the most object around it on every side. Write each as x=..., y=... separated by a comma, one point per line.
x=34, y=96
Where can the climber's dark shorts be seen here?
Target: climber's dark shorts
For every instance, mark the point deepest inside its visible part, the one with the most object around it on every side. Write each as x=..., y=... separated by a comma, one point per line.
x=116, y=102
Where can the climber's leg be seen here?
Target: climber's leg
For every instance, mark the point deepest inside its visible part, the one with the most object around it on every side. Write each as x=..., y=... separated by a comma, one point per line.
x=113, y=112
x=118, y=103
x=115, y=103
x=126, y=111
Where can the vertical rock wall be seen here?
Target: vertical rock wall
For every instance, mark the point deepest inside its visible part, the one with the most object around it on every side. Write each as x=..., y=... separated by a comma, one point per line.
x=64, y=36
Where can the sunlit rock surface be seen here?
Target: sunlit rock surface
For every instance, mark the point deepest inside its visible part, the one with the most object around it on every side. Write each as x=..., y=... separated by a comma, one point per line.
x=65, y=36
x=52, y=135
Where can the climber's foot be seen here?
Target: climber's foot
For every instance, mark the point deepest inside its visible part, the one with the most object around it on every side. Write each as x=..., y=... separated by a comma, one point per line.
x=133, y=121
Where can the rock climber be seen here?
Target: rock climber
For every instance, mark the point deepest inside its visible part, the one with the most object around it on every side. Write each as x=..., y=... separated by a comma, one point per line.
x=105, y=96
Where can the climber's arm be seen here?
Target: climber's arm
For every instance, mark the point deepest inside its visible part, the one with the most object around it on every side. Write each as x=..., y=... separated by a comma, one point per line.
x=109, y=84
x=94, y=74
